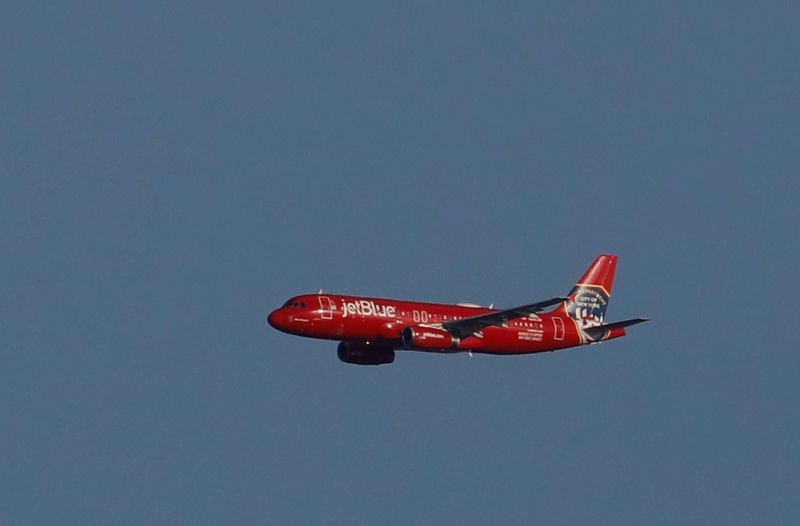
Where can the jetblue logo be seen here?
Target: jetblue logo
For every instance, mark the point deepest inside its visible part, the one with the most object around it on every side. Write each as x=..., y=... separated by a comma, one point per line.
x=367, y=308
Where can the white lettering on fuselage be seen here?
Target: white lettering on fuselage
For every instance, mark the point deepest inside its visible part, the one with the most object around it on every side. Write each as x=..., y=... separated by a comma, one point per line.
x=367, y=308
x=530, y=336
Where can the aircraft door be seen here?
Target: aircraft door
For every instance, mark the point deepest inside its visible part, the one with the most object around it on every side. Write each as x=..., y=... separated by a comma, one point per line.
x=326, y=307
x=558, y=328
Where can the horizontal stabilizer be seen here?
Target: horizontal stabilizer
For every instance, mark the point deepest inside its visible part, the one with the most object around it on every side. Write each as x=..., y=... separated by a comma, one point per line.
x=597, y=332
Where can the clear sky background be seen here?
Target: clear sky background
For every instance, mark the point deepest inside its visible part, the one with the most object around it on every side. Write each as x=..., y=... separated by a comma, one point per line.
x=171, y=173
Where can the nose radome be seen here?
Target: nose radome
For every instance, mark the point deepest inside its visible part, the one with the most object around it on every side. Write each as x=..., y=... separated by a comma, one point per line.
x=275, y=318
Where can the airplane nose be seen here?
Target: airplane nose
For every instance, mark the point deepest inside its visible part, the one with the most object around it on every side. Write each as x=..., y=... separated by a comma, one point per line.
x=279, y=319
x=274, y=318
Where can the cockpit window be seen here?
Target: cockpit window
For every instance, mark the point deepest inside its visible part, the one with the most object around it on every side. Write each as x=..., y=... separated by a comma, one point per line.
x=292, y=303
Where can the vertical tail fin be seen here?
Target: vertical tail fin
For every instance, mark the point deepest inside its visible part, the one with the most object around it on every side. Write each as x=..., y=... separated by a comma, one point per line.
x=588, y=300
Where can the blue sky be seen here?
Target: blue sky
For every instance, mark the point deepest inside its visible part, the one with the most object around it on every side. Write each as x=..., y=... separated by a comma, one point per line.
x=173, y=173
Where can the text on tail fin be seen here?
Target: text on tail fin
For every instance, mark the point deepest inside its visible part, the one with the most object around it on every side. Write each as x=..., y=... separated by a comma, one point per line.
x=588, y=301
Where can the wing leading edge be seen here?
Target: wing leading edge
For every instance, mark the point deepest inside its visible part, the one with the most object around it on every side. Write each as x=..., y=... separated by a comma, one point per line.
x=466, y=326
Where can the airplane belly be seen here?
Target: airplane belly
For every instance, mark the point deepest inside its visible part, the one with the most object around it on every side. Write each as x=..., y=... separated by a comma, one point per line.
x=511, y=341
x=508, y=340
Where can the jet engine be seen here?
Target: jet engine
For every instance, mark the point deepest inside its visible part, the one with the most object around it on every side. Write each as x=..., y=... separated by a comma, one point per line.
x=429, y=338
x=364, y=354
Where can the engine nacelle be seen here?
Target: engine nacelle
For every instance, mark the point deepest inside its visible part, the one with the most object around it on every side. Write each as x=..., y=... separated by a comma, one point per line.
x=429, y=338
x=364, y=354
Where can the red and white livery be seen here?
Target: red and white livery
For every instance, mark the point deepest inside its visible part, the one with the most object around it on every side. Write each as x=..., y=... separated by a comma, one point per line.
x=370, y=330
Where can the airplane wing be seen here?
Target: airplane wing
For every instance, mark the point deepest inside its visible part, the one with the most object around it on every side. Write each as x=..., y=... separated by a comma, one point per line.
x=466, y=326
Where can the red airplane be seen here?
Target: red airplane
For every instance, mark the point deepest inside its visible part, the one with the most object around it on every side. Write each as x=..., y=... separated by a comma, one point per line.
x=370, y=330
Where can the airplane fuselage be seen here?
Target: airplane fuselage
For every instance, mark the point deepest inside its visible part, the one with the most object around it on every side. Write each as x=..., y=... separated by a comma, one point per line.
x=381, y=320
x=371, y=329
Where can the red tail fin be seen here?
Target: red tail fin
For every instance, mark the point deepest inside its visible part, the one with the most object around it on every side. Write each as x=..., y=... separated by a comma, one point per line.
x=588, y=301
x=600, y=274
